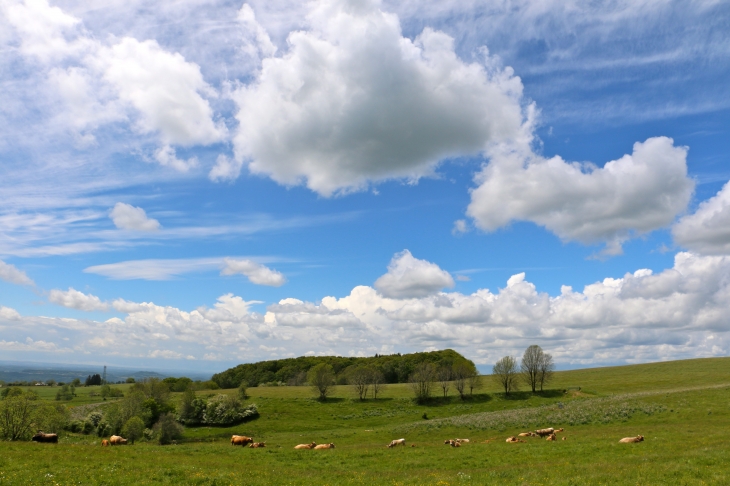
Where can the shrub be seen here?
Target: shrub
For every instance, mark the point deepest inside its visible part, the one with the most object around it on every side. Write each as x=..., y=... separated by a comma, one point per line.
x=66, y=393
x=148, y=434
x=167, y=429
x=95, y=418
x=227, y=410
x=133, y=429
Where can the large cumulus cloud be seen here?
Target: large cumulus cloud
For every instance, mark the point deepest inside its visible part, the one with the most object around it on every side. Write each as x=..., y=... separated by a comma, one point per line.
x=353, y=100
x=707, y=230
x=635, y=194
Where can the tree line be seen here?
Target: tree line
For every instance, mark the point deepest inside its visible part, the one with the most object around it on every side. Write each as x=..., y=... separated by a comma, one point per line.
x=394, y=368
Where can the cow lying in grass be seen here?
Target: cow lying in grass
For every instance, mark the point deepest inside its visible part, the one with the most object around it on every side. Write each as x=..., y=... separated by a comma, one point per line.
x=513, y=440
x=632, y=440
x=325, y=446
x=41, y=437
x=306, y=446
x=396, y=442
x=256, y=445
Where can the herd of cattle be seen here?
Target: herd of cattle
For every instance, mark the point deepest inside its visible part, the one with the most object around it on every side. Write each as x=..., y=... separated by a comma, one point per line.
x=242, y=440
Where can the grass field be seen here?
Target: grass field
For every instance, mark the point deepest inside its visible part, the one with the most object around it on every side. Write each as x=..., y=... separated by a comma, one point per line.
x=682, y=408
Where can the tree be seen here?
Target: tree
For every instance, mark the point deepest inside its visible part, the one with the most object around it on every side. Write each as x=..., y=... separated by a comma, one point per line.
x=242, y=395
x=505, y=373
x=377, y=382
x=21, y=415
x=359, y=378
x=75, y=382
x=444, y=375
x=66, y=393
x=133, y=429
x=321, y=377
x=462, y=370
x=167, y=429
x=422, y=380
x=547, y=367
x=129, y=380
x=93, y=380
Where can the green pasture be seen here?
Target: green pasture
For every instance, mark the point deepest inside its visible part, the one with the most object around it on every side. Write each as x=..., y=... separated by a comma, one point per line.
x=682, y=408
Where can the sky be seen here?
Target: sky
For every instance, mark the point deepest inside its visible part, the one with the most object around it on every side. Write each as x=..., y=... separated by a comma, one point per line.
x=194, y=184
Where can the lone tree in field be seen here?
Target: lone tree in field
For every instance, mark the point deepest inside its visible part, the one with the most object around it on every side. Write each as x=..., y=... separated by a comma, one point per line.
x=321, y=378
x=422, y=380
x=506, y=374
x=359, y=378
x=445, y=376
x=463, y=371
x=547, y=367
x=537, y=367
x=377, y=382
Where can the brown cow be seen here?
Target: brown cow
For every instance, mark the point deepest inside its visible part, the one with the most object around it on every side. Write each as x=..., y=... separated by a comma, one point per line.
x=565, y=438
x=545, y=432
x=325, y=446
x=559, y=430
x=551, y=437
x=306, y=446
x=117, y=440
x=241, y=440
x=105, y=443
x=256, y=445
x=513, y=440
x=41, y=437
x=632, y=440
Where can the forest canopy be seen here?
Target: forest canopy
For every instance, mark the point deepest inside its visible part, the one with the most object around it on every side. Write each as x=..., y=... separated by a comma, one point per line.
x=396, y=368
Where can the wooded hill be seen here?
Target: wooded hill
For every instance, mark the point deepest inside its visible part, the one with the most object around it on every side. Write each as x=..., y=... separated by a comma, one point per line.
x=396, y=368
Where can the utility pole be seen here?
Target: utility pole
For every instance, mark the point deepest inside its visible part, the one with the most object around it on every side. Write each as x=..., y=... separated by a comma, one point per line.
x=103, y=378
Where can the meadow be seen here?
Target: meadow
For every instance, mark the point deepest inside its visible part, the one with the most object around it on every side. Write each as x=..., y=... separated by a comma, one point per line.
x=681, y=407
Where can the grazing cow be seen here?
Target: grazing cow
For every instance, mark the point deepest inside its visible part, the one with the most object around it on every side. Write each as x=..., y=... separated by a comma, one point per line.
x=551, y=437
x=396, y=442
x=241, y=440
x=41, y=437
x=325, y=446
x=256, y=445
x=632, y=440
x=513, y=440
x=117, y=440
x=306, y=446
x=105, y=443
x=545, y=432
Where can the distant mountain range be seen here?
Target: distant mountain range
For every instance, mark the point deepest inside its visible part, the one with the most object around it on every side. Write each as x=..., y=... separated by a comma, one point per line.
x=11, y=371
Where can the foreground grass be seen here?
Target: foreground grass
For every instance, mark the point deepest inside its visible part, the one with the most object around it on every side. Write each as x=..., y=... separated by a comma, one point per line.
x=684, y=419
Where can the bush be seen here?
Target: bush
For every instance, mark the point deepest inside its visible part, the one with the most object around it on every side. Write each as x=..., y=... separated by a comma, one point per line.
x=167, y=429
x=148, y=434
x=227, y=410
x=95, y=418
x=103, y=429
x=133, y=429
x=66, y=393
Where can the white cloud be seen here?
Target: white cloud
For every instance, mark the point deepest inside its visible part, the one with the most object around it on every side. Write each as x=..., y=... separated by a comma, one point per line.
x=73, y=299
x=635, y=194
x=410, y=277
x=225, y=169
x=9, y=314
x=325, y=114
x=256, y=273
x=707, y=231
x=129, y=217
x=121, y=80
x=11, y=274
x=460, y=227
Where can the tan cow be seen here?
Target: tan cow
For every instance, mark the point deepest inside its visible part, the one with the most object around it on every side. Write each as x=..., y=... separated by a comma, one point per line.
x=551, y=437
x=632, y=440
x=105, y=443
x=513, y=440
x=565, y=438
x=241, y=440
x=462, y=441
x=396, y=442
x=256, y=445
x=117, y=440
x=306, y=446
x=325, y=446
x=527, y=434
x=545, y=432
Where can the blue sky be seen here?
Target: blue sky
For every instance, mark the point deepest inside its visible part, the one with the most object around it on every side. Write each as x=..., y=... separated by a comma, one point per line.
x=198, y=184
